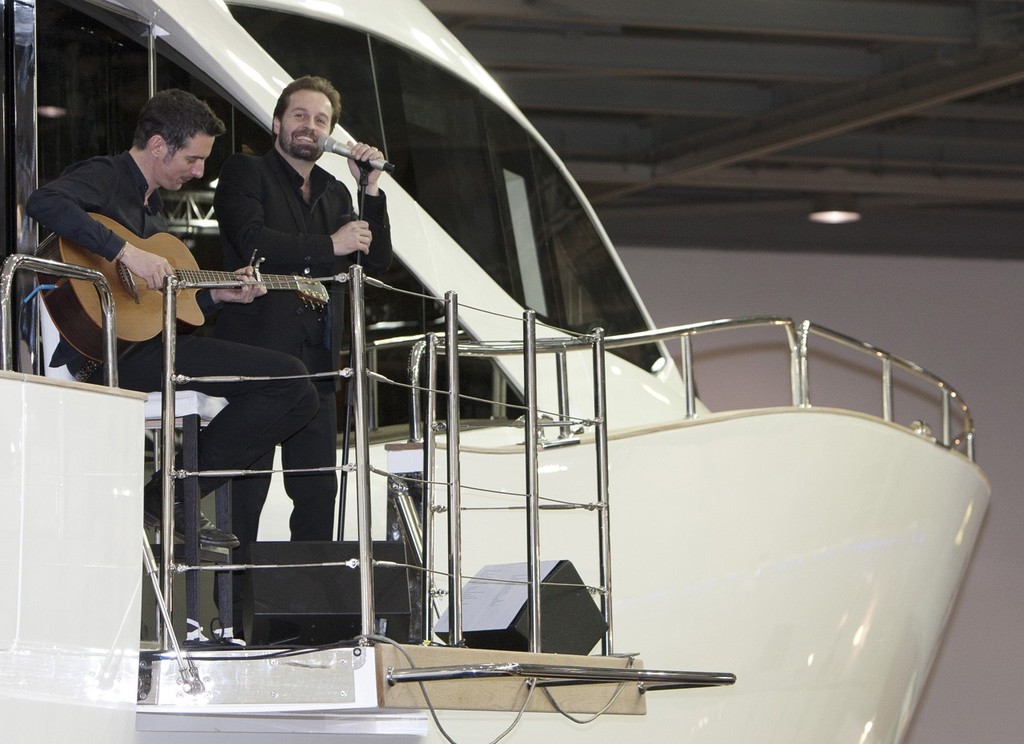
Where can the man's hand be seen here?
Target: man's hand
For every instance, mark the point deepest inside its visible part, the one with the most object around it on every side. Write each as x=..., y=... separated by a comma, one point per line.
x=364, y=152
x=249, y=291
x=352, y=237
x=149, y=267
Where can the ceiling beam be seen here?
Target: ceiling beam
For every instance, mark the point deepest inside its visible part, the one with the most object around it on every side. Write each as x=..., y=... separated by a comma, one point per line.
x=866, y=20
x=984, y=145
x=1007, y=189
x=851, y=108
x=622, y=55
x=635, y=97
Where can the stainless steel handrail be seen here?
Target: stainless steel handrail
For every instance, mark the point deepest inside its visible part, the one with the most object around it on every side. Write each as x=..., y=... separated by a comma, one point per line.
x=648, y=679
x=888, y=360
x=23, y=261
x=797, y=339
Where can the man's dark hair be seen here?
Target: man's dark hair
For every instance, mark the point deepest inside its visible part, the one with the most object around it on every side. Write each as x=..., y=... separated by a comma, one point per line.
x=310, y=82
x=177, y=116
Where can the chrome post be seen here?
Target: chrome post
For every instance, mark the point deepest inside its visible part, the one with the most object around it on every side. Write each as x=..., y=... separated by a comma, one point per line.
x=499, y=393
x=562, y=379
x=532, y=478
x=413, y=368
x=166, y=632
x=189, y=674
x=887, y=408
x=454, y=475
x=362, y=447
x=947, y=427
x=604, y=514
x=20, y=261
x=802, y=382
x=794, y=363
x=374, y=399
x=429, y=487
x=686, y=348
x=6, y=321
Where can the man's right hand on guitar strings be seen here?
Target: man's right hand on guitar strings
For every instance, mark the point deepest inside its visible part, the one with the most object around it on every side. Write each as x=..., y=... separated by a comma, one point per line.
x=149, y=267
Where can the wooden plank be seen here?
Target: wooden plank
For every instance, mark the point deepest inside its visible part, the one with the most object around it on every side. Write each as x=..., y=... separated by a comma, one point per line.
x=505, y=693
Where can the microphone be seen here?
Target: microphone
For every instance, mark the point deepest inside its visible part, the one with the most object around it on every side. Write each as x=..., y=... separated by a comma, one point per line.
x=329, y=144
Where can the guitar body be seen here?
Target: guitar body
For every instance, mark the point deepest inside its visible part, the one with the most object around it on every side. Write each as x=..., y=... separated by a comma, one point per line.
x=139, y=311
x=75, y=305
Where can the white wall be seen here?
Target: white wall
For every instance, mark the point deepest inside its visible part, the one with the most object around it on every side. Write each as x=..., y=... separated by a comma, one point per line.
x=959, y=318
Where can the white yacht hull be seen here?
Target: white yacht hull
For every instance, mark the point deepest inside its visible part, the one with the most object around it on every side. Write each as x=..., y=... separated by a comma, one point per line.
x=814, y=553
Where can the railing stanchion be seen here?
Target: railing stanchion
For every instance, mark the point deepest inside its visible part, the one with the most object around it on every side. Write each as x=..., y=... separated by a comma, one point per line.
x=795, y=364
x=44, y=266
x=429, y=488
x=532, y=478
x=803, y=377
x=887, y=409
x=689, y=383
x=562, y=382
x=454, y=474
x=604, y=513
x=361, y=427
x=947, y=402
x=167, y=455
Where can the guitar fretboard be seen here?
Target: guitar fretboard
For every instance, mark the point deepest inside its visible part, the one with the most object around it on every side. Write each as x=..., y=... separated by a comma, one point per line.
x=272, y=281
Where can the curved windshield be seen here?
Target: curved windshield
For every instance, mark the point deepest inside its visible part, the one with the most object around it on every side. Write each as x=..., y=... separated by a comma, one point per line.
x=472, y=167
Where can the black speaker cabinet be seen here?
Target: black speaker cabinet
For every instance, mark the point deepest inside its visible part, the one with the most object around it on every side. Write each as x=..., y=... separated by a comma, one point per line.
x=319, y=605
x=495, y=614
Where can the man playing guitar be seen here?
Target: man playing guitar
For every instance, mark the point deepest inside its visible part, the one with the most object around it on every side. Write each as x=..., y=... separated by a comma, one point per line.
x=173, y=139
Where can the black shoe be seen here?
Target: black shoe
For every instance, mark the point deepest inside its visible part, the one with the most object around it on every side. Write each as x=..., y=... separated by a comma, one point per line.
x=209, y=535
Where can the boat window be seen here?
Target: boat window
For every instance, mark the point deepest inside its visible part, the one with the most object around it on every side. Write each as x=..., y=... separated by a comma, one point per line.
x=92, y=74
x=479, y=174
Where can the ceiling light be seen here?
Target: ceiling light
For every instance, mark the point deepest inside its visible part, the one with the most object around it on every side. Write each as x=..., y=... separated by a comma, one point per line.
x=834, y=209
x=51, y=112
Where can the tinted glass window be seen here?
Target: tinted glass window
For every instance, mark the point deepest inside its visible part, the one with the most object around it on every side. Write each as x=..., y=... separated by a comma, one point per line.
x=91, y=80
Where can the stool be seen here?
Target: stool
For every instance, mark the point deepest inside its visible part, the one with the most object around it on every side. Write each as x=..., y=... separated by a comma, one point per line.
x=192, y=411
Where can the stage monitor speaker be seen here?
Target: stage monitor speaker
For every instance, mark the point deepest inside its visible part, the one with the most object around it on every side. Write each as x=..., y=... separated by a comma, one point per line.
x=495, y=610
x=320, y=605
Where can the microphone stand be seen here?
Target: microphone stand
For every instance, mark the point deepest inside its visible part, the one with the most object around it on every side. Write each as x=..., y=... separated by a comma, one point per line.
x=364, y=180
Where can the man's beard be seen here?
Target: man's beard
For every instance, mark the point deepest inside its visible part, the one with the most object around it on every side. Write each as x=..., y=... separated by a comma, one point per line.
x=310, y=151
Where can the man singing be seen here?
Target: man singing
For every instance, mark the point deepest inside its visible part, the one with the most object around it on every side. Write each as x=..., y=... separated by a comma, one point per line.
x=298, y=219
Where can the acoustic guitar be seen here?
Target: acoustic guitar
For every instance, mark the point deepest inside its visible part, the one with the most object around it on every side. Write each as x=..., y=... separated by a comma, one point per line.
x=75, y=308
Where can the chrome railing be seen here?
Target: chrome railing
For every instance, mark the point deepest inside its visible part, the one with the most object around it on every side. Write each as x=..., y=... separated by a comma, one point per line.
x=798, y=339
x=46, y=267
x=951, y=399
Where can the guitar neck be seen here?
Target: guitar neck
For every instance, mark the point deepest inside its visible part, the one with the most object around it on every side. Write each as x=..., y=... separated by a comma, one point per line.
x=202, y=276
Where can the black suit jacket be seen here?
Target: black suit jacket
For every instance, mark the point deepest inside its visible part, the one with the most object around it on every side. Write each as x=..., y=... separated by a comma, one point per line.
x=260, y=210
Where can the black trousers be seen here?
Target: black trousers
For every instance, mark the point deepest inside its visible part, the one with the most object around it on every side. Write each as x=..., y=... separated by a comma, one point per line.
x=313, y=495
x=259, y=414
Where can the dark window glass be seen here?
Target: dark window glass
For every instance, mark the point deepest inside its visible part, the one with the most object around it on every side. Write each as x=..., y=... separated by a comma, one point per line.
x=91, y=82
x=338, y=54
